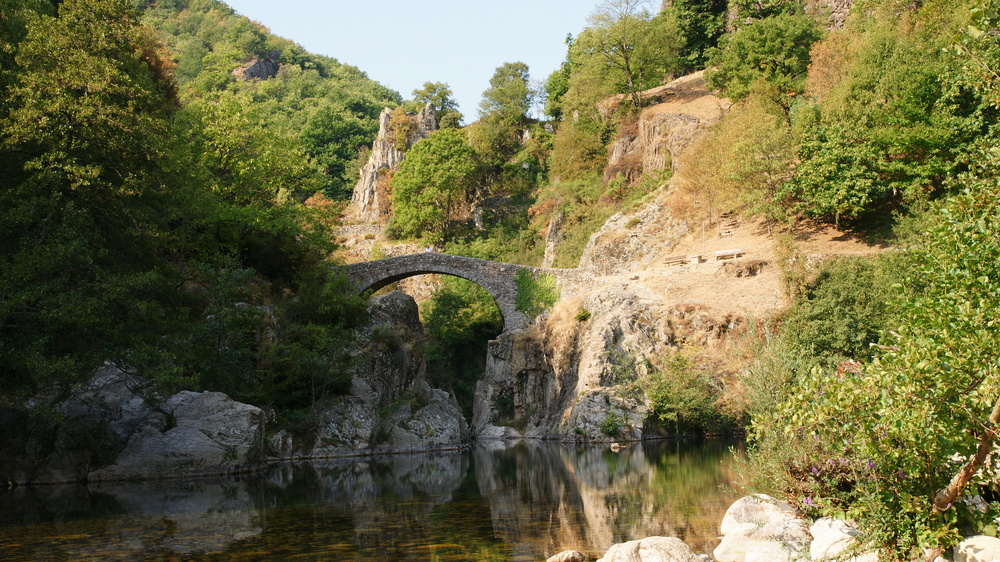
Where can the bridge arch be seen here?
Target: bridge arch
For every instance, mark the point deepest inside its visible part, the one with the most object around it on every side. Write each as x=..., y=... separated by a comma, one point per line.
x=496, y=277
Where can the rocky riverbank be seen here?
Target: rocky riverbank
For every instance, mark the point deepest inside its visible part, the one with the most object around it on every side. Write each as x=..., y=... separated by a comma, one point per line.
x=118, y=426
x=759, y=528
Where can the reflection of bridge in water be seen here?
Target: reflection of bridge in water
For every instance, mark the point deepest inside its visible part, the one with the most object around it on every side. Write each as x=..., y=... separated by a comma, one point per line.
x=495, y=277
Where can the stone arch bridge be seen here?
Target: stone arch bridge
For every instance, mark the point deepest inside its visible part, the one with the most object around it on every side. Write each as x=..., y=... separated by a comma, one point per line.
x=495, y=277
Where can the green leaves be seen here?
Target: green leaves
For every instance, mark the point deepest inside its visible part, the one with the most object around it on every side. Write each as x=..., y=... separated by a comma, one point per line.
x=899, y=420
x=775, y=49
x=431, y=183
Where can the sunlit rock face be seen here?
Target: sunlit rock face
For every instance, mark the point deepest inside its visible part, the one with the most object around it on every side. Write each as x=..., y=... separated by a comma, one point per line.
x=390, y=406
x=562, y=379
x=370, y=200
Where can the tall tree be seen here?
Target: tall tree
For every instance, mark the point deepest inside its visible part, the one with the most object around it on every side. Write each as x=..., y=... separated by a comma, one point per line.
x=503, y=113
x=84, y=209
x=431, y=183
x=635, y=51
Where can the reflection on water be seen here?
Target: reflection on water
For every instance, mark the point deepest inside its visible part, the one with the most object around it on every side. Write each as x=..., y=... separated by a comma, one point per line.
x=525, y=502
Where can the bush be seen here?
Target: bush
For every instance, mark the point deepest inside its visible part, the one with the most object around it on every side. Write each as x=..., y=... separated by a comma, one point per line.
x=881, y=441
x=683, y=396
x=775, y=49
x=536, y=293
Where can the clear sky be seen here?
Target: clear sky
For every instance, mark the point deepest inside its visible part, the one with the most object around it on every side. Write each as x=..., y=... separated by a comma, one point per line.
x=404, y=43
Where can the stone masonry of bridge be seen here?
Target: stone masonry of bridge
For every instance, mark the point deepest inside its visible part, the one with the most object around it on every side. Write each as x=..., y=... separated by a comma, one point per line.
x=495, y=277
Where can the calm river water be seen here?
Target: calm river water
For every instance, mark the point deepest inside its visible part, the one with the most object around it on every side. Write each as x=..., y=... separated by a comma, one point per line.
x=524, y=502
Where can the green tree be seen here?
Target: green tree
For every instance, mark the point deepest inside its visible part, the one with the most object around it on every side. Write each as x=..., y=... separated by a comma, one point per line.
x=431, y=183
x=442, y=98
x=461, y=317
x=775, y=49
x=636, y=49
x=502, y=113
x=700, y=23
x=85, y=209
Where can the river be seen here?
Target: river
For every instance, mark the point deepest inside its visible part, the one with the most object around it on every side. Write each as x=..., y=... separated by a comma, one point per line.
x=493, y=502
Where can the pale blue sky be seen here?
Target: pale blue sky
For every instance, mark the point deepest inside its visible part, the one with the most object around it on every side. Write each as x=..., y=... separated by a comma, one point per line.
x=403, y=44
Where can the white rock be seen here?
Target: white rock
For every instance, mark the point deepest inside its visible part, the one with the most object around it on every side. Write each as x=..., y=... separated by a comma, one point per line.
x=651, y=549
x=979, y=548
x=760, y=528
x=830, y=537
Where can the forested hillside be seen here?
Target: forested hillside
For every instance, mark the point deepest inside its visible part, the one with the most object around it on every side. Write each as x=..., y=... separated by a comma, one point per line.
x=155, y=209
x=867, y=394
x=171, y=174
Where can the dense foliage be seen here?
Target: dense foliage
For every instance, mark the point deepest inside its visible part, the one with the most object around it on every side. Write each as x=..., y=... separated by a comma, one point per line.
x=878, y=400
x=435, y=179
x=158, y=230
x=322, y=110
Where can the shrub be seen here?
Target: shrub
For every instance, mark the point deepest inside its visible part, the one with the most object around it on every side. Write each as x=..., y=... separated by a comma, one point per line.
x=683, y=396
x=775, y=49
x=536, y=293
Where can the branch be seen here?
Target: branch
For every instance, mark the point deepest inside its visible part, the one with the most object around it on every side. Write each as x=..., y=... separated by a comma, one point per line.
x=947, y=496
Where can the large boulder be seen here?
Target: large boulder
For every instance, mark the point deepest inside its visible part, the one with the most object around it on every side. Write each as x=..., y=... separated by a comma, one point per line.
x=830, y=537
x=759, y=528
x=651, y=549
x=191, y=434
x=116, y=426
x=979, y=548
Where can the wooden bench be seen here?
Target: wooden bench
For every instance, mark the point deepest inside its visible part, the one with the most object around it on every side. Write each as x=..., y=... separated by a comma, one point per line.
x=674, y=260
x=727, y=254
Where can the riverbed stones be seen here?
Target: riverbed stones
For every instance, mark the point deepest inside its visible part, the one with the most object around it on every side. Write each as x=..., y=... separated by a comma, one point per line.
x=979, y=548
x=567, y=556
x=651, y=549
x=759, y=528
x=830, y=537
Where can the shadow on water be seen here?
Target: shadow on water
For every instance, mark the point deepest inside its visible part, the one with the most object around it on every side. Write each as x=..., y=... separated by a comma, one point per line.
x=494, y=502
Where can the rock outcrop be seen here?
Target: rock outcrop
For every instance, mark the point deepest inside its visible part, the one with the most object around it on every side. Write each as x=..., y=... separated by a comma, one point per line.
x=685, y=109
x=390, y=406
x=116, y=427
x=370, y=200
x=259, y=68
x=568, y=377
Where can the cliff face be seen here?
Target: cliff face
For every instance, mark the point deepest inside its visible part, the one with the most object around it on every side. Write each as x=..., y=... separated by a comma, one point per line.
x=571, y=379
x=390, y=407
x=685, y=110
x=370, y=201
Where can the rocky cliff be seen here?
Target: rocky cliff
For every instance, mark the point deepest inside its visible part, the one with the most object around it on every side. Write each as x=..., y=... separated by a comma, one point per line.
x=390, y=406
x=682, y=111
x=370, y=201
